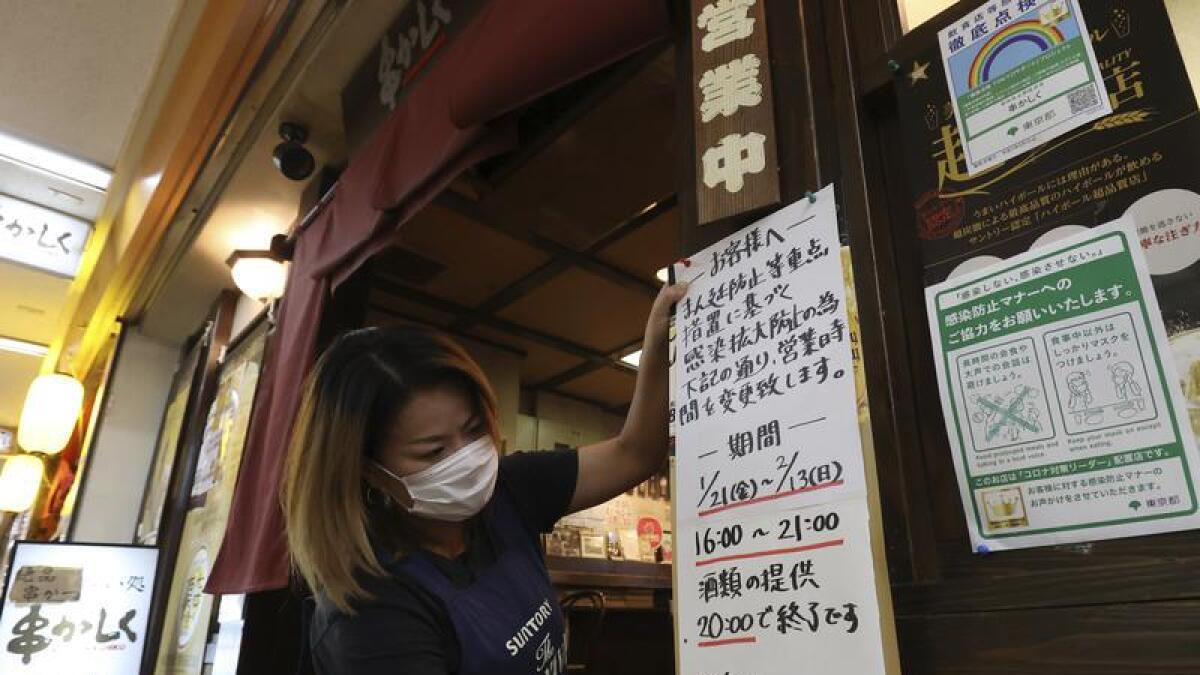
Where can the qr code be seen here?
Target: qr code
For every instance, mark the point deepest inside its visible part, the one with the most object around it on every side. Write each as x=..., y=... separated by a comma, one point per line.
x=1083, y=98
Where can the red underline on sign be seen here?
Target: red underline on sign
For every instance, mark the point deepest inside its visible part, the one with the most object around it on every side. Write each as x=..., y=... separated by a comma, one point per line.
x=730, y=641
x=420, y=64
x=781, y=495
x=774, y=551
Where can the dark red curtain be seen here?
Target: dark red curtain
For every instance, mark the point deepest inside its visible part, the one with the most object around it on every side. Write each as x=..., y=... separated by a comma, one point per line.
x=513, y=52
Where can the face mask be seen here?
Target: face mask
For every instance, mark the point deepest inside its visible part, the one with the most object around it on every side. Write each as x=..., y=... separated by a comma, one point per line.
x=455, y=488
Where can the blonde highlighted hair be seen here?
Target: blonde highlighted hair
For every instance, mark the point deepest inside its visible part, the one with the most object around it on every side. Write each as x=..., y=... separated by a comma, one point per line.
x=356, y=387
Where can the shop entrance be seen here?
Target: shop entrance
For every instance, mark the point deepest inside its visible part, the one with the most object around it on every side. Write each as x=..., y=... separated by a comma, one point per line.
x=543, y=263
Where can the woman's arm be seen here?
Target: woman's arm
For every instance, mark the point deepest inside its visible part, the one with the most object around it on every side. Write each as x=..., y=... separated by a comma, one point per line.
x=608, y=468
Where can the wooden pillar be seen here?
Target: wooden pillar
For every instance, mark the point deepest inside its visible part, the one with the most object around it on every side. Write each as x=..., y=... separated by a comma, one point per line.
x=809, y=72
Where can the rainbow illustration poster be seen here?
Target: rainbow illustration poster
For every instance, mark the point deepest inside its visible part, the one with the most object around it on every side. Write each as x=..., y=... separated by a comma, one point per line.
x=1021, y=73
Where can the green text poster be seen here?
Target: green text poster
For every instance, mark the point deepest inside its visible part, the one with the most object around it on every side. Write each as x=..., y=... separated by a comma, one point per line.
x=1061, y=400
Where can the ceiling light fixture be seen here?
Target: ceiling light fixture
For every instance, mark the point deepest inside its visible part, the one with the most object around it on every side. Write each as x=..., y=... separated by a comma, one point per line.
x=20, y=482
x=16, y=346
x=633, y=359
x=257, y=274
x=261, y=274
x=54, y=163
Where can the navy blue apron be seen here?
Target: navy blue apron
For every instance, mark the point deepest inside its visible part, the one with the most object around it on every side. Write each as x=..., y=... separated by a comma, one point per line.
x=508, y=620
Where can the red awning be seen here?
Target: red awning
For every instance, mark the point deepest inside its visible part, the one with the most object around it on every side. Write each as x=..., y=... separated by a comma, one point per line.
x=513, y=52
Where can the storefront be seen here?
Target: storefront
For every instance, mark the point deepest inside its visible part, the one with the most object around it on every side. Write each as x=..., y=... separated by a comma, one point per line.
x=522, y=177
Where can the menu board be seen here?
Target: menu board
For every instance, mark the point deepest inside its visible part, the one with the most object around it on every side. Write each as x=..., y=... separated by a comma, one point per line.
x=1060, y=396
x=41, y=238
x=189, y=608
x=774, y=572
x=228, y=418
x=76, y=608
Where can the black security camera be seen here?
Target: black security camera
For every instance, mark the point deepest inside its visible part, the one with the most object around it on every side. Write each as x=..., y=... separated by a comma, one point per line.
x=291, y=157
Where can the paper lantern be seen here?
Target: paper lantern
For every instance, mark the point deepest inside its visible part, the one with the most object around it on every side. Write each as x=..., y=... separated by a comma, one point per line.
x=51, y=409
x=20, y=480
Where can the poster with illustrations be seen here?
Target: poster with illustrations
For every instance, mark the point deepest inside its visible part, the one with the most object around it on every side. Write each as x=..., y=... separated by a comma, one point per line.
x=165, y=450
x=773, y=562
x=1060, y=396
x=1020, y=73
x=76, y=608
x=228, y=417
x=1140, y=161
x=189, y=608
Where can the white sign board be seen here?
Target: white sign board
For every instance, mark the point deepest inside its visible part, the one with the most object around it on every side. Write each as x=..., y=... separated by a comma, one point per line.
x=1061, y=400
x=76, y=608
x=773, y=562
x=41, y=238
x=1021, y=73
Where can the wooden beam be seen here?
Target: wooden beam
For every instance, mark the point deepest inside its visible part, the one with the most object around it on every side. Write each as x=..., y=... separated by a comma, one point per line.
x=562, y=257
x=881, y=256
x=582, y=97
x=471, y=210
x=581, y=399
x=583, y=261
x=567, y=375
x=511, y=293
x=648, y=214
x=584, y=368
x=614, y=410
x=375, y=307
x=546, y=340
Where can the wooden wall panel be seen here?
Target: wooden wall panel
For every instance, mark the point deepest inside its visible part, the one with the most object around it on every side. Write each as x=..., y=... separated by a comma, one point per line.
x=584, y=308
x=473, y=272
x=644, y=641
x=650, y=248
x=1123, y=606
x=1158, y=639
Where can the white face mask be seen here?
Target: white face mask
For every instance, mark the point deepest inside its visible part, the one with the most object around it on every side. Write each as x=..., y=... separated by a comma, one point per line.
x=456, y=487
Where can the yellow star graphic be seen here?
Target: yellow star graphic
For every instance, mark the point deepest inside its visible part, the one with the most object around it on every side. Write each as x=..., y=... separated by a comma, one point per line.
x=918, y=73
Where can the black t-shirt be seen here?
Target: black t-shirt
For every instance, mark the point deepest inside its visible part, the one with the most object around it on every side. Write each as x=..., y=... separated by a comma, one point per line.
x=404, y=629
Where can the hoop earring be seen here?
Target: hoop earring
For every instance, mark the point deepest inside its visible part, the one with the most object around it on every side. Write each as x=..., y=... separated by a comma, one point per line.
x=382, y=500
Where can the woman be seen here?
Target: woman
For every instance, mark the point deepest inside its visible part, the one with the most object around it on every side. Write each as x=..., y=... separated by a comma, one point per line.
x=419, y=541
